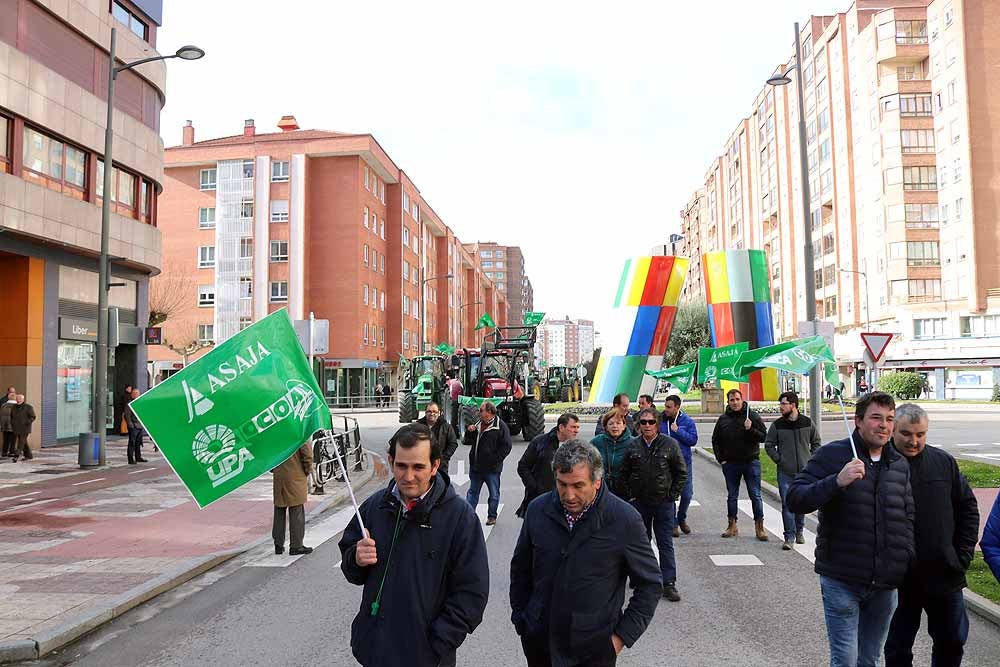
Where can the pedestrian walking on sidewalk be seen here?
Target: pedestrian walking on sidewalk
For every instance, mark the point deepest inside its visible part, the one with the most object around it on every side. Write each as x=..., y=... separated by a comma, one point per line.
x=578, y=545
x=7, y=423
x=791, y=441
x=612, y=445
x=291, y=490
x=736, y=444
x=422, y=562
x=990, y=543
x=535, y=466
x=442, y=433
x=620, y=404
x=490, y=441
x=135, y=432
x=22, y=417
x=864, y=544
x=654, y=471
x=680, y=427
x=946, y=529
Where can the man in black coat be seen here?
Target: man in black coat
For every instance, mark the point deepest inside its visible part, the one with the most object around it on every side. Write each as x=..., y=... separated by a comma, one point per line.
x=578, y=545
x=442, y=433
x=946, y=529
x=655, y=474
x=736, y=443
x=620, y=404
x=490, y=441
x=422, y=562
x=21, y=419
x=864, y=544
x=535, y=466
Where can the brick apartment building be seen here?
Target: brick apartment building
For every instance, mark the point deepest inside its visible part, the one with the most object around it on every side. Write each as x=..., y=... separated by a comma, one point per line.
x=504, y=265
x=565, y=342
x=901, y=136
x=312, y=220
x=53, y=106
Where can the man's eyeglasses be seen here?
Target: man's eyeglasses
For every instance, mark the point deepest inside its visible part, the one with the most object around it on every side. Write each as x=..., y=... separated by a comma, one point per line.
x=647, y=422
x=433, y=412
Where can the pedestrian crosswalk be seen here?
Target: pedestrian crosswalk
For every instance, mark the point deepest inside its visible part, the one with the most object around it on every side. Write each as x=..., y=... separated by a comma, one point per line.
x=316, y=535
x=774, y=525
x=481, y=512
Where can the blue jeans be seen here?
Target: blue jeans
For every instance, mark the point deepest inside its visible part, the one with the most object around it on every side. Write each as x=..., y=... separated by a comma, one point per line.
x=492, y=480
x=659, y=520
x=857, y=621
x=688, y=491
x=750, y=473
x=947, y=624
x=794, y=523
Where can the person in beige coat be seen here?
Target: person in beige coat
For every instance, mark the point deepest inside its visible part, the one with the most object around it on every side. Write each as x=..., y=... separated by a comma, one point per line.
x=291, y=488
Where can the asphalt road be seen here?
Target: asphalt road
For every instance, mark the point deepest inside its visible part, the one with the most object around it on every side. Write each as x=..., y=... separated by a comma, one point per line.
x=766, y=613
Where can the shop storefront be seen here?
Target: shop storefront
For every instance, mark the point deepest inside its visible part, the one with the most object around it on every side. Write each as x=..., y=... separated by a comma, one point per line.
x=953, y=379
x=351, y=382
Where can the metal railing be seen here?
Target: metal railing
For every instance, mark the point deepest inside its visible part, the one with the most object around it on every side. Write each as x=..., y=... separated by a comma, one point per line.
x=343, y=439
x=367, y=401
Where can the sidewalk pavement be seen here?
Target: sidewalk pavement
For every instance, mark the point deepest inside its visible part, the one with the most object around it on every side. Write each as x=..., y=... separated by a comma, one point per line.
x=80, y=547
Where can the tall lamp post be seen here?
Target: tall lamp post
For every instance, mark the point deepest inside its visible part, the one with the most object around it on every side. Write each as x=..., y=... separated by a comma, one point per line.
x=461, y=307
x=423, y=305
x=101, y=361
x=782, y=80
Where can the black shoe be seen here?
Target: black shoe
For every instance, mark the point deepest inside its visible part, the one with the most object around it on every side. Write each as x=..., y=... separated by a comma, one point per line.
x=492, y=521
x=670, y=592
x=142, y=461
x=131, y=463
x=300, y=551
x=279, y=549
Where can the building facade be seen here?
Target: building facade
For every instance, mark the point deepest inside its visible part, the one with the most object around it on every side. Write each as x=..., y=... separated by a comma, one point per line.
x=53, y=96
x=312, y=221
x=504, y=265
x=903, y=225
x=565, y=342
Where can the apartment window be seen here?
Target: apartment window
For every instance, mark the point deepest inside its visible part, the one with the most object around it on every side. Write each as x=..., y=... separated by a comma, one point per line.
x=381, y=336
x=498, y=265
x=365, y=218
x=134, y=23
x=406, y=203
x=206, y=256
x=367, y=187
x=279, y=291
x=829, y=275
x=911, y=72
x=487, y=265
x=381, y=263
x=374, y=223
x=917, y=141
x=830, y=306
x=406, y=236
x=811, y=132
x=488, y=274
x=956, y=131
x=827, y=180
x=406, y=305
x=364, y=329
x=922, y=253
x=930, y=327
x=364, y=295
x=5, y=125
x=828, y=244
x=206, y=217
x=952, y=92
x=245, y=322
x=246, y=288
x=824, y=120
x=922, y=216
x=824, y=150
x=915, y=105
x=818, y=278
x=958, y=209
x=279, y=210
x=406, y=270
x=54, y=164
x=246, y=248
x=807, y=74
x=279, y=251
x=381, y=301
x=382, y=192
x=956, y=170
x=279, y=172
x=817, y=219
x=246, y=209
x=206, y=334
x=821, y=90
x=206, y=295
x=406, y=340
x=381, y=228
x=364, y=254
x=208, y=178
x=911, y=32
x=924, y=290
x=415, y=212
x=813, y=161
x=920, y=178
x=976, y=326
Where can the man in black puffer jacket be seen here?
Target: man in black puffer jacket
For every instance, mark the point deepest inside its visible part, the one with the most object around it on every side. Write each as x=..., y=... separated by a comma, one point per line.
x=535, y=466
x=736, y=445
x=865, y=540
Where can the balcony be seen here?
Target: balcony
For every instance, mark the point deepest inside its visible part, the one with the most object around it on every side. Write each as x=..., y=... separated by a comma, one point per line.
x=902, y=42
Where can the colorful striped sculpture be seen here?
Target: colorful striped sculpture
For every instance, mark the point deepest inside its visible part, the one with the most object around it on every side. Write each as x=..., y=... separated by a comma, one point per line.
x=739, y=309
x=636, y=338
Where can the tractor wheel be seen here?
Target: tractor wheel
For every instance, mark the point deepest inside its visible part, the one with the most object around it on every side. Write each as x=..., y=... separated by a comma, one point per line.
x=577, y=394
x=468, y=415
x=534, y=419
x=566, y=393
x=408, y=408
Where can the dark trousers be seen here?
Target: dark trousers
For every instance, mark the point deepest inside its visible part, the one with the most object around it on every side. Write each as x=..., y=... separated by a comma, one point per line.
x=947, y=624
x=134, y=444
x=297, y=519
x=750, y=474
x=8, y=443
x=21, y=447
x=537, y=655
x=659, y=521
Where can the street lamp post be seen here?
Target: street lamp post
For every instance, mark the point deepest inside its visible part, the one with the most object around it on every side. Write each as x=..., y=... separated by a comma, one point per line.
x=423, y=305
x=103, y=269
x=461, y=307
x=781, y=80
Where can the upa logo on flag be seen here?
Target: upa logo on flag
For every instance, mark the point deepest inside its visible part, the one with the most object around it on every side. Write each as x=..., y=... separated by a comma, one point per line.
x=223, y=456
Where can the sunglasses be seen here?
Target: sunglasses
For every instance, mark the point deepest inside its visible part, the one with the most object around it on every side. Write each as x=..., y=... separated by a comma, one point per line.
x=647, y=422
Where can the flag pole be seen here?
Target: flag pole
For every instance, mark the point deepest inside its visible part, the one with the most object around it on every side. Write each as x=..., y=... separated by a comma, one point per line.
x=847, y=424
x=350, y=489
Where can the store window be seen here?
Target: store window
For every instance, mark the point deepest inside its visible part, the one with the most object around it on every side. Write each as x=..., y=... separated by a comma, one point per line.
x=75, y=388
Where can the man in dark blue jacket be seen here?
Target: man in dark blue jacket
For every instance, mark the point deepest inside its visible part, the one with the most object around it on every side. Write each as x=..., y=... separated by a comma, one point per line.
x=422, y=562
x=620, y=403
x=946, y=528
x=681, y=428
x=578, y=545
x=865, y=540
x=535, y=466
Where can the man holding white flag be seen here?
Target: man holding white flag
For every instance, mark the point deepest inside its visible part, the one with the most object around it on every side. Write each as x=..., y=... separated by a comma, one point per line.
x=864, y=544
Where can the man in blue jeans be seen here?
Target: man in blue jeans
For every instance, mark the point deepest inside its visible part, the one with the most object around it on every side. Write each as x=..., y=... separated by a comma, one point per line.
x=865, y=541
x=681, y=428
x=791, y=441
x=736, y=444
x=490, y=441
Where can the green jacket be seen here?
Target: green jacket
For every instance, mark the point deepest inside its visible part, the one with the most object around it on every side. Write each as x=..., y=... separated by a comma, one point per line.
x=612, y=454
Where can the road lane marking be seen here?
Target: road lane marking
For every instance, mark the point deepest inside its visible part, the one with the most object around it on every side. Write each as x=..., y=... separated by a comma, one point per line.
x=773, y=524
x=459, y=478
x=89, y=481
x=988, y=457
x=730, y=560
x=23, y=495
x=694, y=503
x=971, y=444
x=137, y=472
x=316, y=535
x=481, y=511
x=26, y=506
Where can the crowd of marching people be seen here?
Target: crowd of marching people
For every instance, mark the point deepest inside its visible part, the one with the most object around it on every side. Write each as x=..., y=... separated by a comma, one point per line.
x=897, y=530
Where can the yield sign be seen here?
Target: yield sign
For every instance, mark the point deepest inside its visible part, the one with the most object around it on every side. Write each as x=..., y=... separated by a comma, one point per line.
x=876, y=343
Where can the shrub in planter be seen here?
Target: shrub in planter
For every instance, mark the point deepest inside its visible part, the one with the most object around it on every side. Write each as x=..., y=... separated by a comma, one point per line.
x=902, y=384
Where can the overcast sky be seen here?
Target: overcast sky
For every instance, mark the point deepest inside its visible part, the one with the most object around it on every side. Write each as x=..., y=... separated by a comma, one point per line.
x=576, y=130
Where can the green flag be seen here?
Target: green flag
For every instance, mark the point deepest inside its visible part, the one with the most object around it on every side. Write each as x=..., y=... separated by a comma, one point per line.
x=680, y=376
x=445, y=349
x=797, y=356
x=237, y=412
x=485, y=321
x=533, y=319
x=716, y=363
x=478, y=402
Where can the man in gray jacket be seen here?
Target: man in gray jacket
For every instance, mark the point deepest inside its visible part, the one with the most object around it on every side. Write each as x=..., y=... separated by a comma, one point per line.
x=790, y=442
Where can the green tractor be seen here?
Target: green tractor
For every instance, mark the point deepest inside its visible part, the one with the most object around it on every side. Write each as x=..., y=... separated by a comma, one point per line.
x=563, y=383
x=498, y=373
x=424, y=382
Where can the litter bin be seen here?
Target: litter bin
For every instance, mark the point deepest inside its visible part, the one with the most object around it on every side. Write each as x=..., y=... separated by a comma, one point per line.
x=90, y=450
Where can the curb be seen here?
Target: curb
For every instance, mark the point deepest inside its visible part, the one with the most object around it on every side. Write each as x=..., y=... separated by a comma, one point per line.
x=50, y=640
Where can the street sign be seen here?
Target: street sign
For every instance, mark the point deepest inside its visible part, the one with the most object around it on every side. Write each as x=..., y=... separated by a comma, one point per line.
x=321, y=335
x=876, y=343
x=153, y=336
x=582, y=371
x=822, y=328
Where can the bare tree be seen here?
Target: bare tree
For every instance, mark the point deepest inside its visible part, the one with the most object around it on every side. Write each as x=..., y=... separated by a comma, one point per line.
x=170, y=293
x=188, y=348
